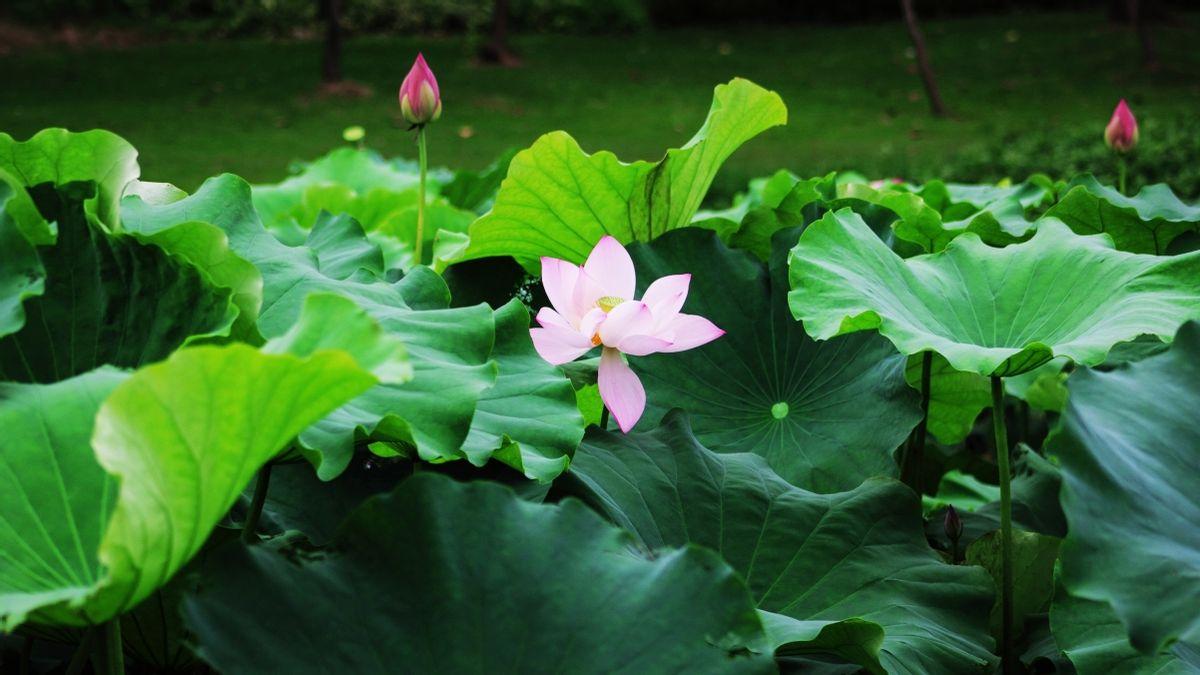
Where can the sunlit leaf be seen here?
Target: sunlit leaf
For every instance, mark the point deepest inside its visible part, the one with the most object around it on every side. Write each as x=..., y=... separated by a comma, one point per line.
x=987, y=310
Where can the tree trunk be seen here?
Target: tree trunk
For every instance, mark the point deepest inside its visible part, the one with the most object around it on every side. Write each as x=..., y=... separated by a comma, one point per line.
x=1145, y=40
x=331, y=57
x=926, y=70
x=496, y=49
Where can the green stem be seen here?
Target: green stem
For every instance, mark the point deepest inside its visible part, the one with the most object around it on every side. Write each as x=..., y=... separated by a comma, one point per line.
x=112, y=650
x=423, y=163
x=75, y=667
x=914, y=457
x=604, y=417
x=1006, y=538
x=26, y=655
x=250, y=527
x=1121, y=173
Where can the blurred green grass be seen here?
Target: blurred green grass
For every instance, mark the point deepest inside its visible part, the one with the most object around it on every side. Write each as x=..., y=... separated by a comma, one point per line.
x=250, y=107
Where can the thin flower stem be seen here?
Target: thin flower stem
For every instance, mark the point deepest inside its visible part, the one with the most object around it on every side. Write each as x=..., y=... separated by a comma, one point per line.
x=1006, y=538
x=1121, y=169
x=250, y=527
x=423, y=164
x=111, y=659
x=26, y=655
x=914, y=456
x=604, y=417
x=80, y=658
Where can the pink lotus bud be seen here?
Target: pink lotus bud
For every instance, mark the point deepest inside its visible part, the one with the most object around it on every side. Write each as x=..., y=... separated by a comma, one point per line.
x=952, y=524
x=420, y=101
x=1121, y=134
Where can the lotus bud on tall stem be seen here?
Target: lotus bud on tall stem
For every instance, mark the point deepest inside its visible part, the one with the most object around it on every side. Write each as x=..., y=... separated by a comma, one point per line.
x=420, y=103
x=1121, y=135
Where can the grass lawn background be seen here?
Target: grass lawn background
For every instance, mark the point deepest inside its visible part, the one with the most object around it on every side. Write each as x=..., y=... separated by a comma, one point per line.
x=250, y=107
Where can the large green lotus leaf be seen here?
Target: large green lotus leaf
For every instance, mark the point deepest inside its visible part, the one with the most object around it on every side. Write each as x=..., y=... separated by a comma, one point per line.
x=1000, y=223
x=1129, y=447
x=443, y=577
x=340, y=247
x=449, y=348
x=95, y=519
x=476, y=190
x=1092, y=637
x=1035, y=486
x=206, y=247
x=957, y=200
x=21, y=273
x=804, y=202
x=955, y=398
x=1145, y=223
x=397, y=235
x=559, y=201
x=341, y=177
x=59, y=157
x=830, y=572
x=529, y=419
x=1032, y=559
x=107, y=298
x=826, y=415
x=987, y=310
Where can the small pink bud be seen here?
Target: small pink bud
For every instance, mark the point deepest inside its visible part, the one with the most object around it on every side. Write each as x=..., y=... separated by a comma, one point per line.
x=1121, y=134
x=420, y=100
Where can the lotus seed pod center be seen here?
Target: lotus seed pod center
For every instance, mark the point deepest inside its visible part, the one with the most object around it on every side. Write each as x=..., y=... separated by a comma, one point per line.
x=779, y=410
x=608, y=302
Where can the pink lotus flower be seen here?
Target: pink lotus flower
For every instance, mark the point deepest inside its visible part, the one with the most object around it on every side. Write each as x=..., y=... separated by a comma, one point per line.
x=420, y=100
x=1121, y=134
x=594, y=307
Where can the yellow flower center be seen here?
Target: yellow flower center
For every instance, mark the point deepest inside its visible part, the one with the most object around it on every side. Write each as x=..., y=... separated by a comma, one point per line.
x=608, y=302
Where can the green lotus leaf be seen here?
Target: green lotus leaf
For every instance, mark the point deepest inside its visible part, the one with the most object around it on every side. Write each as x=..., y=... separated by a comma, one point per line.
x=529, y=419
x=59, y=157
x=848, y=573
x=1001, y=223
x=446, y=577
x=1128, y=445
x=343, y=176
x=1044, y=387
x=1035, y=508
x=1145, y=223
x=449, y=349
x=826, y=415
x=803, y=203
x=106, y=298
x=1092, y=637
x=111, y=481
x=957, y=200
x=341, y=249
x=476, y=190
x=397, y=235
x=986, y=310
x=21, y=273
x=559, y=201
x=762, y=197
x=1033, y=557
x=955, y=398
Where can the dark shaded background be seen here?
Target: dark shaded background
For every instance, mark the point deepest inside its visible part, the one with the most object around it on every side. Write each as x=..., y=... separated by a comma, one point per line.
x=205, y=86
